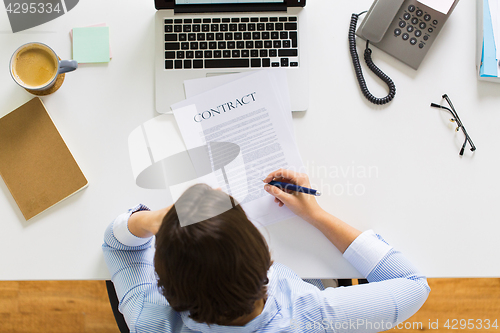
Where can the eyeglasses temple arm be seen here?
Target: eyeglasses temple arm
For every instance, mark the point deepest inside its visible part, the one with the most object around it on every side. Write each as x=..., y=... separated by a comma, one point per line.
x=453, y=113
x=463, y=148
x=434, y=105
x=459, y=122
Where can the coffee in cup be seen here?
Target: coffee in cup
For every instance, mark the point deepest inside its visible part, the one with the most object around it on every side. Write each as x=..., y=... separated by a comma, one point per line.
x=35, y=66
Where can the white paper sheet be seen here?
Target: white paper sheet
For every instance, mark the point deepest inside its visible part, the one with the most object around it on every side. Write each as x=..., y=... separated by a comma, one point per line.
x=278, y=76
x=257, y=122
x=442, y=6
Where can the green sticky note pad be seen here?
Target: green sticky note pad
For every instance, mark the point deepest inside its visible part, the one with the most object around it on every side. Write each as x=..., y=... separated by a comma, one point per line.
x=91, y=44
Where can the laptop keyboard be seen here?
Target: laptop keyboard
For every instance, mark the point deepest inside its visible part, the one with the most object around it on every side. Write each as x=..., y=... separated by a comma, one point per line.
x=250, y=42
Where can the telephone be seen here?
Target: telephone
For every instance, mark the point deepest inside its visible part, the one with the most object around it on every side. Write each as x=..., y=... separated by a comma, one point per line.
x=404, y=29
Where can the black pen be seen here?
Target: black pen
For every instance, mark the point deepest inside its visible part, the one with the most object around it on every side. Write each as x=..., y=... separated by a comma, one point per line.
x=293, y=187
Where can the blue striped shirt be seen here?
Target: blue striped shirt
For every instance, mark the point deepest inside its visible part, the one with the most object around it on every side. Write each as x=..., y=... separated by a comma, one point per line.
x=395, y=292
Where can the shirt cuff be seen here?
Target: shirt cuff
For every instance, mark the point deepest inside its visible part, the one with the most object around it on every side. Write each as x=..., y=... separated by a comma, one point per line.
x=366, y=251
x=121, y=232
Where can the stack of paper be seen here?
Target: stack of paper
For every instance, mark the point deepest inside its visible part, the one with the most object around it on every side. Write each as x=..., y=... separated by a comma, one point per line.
x=252, y=112
x=488, y=13
x=442, y=6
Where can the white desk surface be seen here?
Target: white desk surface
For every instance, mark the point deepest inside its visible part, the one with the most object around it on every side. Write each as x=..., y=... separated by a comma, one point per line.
x=397, y=166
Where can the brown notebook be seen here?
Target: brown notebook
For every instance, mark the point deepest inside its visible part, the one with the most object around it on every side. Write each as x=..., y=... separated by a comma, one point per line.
x=35, y=163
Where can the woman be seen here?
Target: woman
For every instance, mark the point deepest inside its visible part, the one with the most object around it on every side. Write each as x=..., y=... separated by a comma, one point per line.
x=217, y=275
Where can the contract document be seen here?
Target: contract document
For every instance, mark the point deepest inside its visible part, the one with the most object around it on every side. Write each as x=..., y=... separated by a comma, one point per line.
x=278, y=77
x=246, y=125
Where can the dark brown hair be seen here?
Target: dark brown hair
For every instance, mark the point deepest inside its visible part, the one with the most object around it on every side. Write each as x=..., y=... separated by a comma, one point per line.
x=217, y=268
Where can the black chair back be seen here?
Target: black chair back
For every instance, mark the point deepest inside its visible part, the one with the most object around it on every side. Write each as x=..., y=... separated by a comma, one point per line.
x=113, y=300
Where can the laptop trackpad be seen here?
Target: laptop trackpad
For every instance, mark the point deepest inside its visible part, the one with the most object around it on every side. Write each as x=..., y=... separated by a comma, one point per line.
x=210, y=74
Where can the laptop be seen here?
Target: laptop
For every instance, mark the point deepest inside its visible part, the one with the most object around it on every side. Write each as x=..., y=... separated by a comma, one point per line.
x=203, y=38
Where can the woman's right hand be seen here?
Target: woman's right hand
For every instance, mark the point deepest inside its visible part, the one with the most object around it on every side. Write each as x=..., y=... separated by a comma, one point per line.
x=303, y=205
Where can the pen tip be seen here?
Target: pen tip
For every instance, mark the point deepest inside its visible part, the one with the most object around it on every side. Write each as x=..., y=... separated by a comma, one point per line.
x=318, y=193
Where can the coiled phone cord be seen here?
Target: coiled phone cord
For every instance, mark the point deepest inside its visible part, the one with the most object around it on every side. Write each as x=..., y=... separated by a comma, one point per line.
x=371, y=66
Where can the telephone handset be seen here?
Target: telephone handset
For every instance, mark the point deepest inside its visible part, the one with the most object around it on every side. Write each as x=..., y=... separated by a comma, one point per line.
x=404, y=29
x=378, y=18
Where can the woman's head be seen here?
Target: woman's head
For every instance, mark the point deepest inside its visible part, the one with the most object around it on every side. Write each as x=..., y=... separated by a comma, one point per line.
x=217, y=268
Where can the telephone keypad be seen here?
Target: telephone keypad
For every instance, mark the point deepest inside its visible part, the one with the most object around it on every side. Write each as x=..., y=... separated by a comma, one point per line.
x=420, y=21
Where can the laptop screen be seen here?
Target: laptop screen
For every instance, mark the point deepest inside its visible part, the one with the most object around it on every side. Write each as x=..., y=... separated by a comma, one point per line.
x=200, y=6
x=209, y=2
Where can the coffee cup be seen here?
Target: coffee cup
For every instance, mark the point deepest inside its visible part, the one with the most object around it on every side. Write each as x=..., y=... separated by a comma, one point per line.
x=35, y=67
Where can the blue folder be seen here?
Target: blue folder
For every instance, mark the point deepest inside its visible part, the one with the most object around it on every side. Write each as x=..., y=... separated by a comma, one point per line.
x=489, y=64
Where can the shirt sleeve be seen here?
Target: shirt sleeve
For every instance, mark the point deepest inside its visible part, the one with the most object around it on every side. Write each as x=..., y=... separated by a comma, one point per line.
x=130, y=263
x=395, y=292
x=366, y=251
x=121, y=231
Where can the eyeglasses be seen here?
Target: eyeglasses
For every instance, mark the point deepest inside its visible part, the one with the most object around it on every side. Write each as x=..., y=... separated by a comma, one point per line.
x=457, y=120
